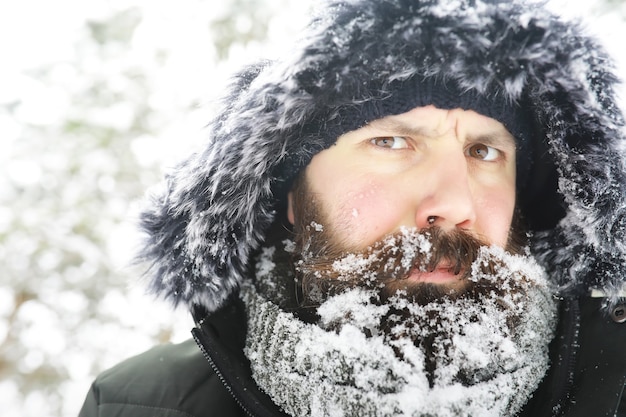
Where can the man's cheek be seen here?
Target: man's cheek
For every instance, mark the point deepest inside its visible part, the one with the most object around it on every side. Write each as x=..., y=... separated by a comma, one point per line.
x=495, y=218
x=365, y=214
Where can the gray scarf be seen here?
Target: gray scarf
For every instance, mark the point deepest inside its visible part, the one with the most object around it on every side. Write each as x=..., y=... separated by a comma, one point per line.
x=343, y=366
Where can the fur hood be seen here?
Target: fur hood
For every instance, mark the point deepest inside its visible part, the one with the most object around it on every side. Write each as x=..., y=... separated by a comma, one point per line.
x=215, y=207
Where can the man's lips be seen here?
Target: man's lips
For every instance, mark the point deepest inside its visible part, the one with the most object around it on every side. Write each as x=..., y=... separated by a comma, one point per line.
x=440, y=275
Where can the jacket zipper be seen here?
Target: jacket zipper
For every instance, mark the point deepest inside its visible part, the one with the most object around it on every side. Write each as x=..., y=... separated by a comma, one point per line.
x=208, y=357
x=572, y=356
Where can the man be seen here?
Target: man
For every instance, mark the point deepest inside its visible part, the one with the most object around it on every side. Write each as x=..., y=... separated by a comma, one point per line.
x=419, y=211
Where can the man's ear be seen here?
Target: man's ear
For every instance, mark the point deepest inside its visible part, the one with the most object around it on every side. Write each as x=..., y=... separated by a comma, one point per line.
x=290, y=215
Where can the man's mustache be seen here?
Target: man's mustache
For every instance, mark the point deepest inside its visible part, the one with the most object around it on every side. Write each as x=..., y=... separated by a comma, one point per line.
x=395, y=256
x=457, y=250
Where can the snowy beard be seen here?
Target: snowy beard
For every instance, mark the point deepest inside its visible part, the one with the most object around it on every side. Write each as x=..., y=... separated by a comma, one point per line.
x=367, y=356
x=431, y=316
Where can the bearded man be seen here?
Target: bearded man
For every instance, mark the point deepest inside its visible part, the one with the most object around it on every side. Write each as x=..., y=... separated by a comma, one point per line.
x=419, y=211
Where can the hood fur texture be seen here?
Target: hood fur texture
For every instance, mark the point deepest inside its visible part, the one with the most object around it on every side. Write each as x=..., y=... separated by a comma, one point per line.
x=216, y=207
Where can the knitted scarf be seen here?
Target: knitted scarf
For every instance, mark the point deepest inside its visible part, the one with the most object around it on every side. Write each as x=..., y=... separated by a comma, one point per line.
x=345, y=366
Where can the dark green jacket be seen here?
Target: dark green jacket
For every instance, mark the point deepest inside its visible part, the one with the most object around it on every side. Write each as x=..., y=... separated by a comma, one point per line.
x=586, y=379
x=168, y=380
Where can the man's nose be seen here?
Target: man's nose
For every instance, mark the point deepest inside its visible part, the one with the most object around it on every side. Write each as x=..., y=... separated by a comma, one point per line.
x=448, y=200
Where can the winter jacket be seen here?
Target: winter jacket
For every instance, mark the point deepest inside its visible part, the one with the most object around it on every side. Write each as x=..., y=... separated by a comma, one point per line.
x=359, y=61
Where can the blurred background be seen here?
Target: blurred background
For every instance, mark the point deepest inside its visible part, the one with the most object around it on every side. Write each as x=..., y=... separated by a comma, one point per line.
x=97, y=99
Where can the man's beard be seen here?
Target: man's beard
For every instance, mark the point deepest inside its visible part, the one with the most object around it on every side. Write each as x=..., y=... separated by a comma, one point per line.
x=428, y=314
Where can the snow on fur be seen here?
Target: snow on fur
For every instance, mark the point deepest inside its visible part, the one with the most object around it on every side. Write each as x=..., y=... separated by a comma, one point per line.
x=216, y=206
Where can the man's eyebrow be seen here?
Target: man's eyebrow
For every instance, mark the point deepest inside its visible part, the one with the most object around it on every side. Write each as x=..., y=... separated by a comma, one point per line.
x=493, y=138
x=400, y=128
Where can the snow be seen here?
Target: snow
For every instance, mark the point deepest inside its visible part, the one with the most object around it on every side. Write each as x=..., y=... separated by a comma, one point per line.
x=354, y=306
x=265, y=265
x=317, y=227
x=359, y=264
x=289, y=245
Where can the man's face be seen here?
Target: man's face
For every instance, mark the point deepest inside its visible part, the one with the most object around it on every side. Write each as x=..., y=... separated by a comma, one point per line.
x=365, y=255
x=453, y=169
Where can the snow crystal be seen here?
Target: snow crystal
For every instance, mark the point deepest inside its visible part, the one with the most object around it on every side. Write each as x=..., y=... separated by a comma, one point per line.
x=512, y=267
x=290, y=245
x=317, y=227
x=445, y=9
x=352, y=264
x=265, y=265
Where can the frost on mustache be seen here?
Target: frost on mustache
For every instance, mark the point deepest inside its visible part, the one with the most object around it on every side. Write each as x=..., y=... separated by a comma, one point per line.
x=411, y=244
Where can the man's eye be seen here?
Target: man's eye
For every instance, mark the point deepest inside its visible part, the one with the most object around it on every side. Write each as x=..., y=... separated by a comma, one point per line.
x=483, y=152
x=390, y=142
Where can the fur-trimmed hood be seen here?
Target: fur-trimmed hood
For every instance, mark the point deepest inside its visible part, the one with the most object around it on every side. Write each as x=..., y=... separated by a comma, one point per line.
x=216, y=206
